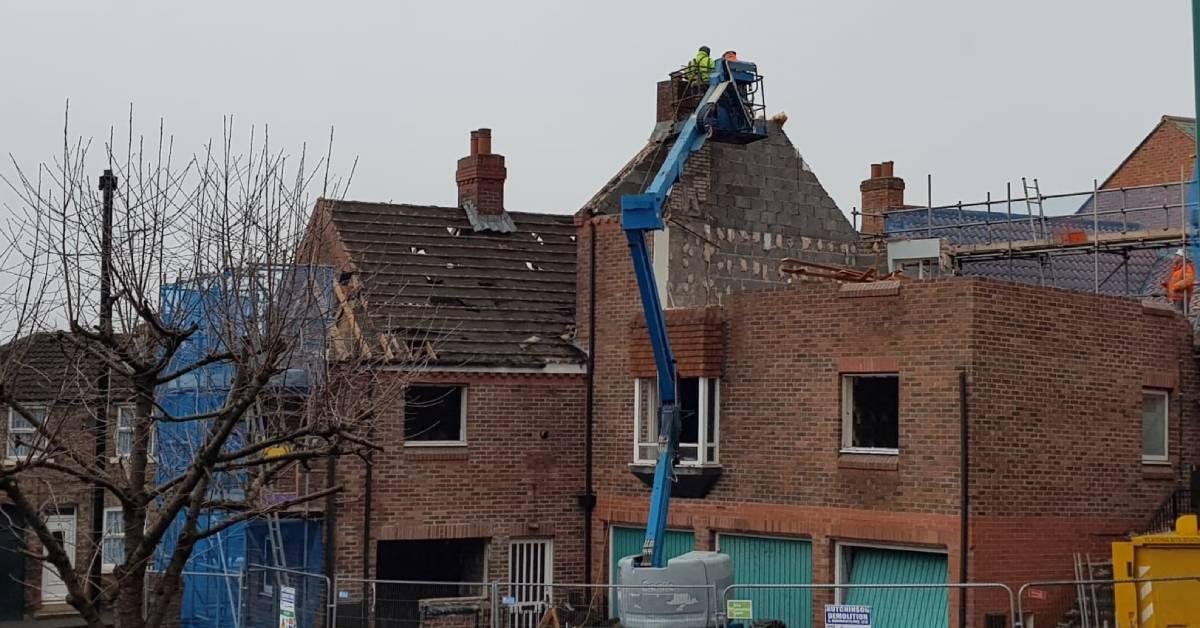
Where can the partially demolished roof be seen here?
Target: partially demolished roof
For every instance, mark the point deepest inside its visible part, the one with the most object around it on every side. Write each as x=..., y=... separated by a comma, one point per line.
x=764, y=186
x=431, y=287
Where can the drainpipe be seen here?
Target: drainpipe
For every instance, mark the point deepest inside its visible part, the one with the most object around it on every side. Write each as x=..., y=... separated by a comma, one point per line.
x=588, y=499
x=964, y=496
x=368, y=493
x=329, y=557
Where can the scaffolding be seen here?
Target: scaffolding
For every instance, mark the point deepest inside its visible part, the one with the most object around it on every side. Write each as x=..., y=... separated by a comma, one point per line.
x=1101, y=240
x=219, y=307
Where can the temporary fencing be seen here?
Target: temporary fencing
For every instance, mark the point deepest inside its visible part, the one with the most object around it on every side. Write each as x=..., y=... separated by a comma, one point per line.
x=409, y=603
x=274, y=597
x=270, y=597
x=791, y=604
x=525, y=605
x=1092, y=602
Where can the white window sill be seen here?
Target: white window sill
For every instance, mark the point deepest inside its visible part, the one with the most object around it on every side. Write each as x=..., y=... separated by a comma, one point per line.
x=436, y=443
x=688, y=464
x=10, y=461
x=107, y=568
x=1156, y=462
x=122, y=459
x=873, y=451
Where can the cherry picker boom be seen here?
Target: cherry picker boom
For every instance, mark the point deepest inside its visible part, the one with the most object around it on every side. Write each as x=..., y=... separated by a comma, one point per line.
x=730, y=111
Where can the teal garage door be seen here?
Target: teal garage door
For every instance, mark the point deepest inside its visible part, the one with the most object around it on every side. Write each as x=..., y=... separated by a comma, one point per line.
x=628, y=542
x=763, y=560
x=897, y=608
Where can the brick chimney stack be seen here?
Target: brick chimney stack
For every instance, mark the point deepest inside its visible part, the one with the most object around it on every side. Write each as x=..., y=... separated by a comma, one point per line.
x=674, y=100
x=481, y=176
x=883, y=191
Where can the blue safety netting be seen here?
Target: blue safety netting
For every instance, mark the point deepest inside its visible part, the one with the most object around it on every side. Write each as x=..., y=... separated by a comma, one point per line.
x=220, y=307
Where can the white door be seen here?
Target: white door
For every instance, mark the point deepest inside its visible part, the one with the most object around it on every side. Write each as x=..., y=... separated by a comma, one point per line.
x=530, y=572
x=62, y=526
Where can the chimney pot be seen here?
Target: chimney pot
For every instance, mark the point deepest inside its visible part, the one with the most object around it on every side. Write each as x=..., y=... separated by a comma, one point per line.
x=886, y=169
x=485, y=141
x=876, y=171
x=474, y=143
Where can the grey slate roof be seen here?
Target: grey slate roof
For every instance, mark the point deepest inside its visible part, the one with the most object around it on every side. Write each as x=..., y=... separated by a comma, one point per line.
x=478, y=298
x=52, y=367
x=1076, y=271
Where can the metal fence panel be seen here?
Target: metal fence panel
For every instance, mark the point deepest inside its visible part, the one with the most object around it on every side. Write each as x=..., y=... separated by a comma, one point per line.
x=273, y=597
x=412, y=604
x=739, y=591
x=578, y=605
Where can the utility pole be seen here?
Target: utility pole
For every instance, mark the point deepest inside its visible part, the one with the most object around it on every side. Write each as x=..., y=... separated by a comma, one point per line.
x=108, y=185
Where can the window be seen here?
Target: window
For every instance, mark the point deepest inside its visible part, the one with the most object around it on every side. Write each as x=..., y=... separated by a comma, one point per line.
x=113, y=548
x=1155, y=405
x=23, y=437
x=435, y=415
x=699, y=401
x=126, y=420
x=871, y=413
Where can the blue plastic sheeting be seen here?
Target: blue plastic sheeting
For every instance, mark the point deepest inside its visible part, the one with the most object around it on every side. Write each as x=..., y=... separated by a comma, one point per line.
x=302, y=552
x=211, y=597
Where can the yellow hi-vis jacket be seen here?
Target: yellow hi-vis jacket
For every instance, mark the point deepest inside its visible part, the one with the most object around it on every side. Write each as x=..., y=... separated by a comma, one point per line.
x=700, y=68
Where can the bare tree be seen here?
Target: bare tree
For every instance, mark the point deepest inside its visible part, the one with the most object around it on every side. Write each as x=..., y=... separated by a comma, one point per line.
x=211, y=386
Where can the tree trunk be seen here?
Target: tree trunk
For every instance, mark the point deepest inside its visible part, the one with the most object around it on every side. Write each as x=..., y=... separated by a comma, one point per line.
x=131, y=595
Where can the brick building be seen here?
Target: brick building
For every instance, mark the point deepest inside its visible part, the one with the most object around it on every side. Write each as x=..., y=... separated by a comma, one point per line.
x=1055, y=415
x=469, y=311
x=822, y=423
x=54, y=378
x=1166, y=155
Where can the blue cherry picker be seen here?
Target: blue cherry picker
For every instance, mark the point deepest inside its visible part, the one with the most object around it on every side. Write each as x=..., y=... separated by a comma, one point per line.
x=730, y=111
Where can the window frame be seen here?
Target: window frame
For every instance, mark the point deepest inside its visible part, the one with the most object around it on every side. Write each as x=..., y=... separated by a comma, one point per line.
x=106, y=567
x=150, y=451
x=1165, y=458
x=847, y=410
x=462, y=418
x=706, y=443
x=9, y=430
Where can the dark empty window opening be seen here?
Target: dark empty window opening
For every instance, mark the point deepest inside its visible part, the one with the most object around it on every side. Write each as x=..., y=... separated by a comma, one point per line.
x=871, y=413
x=439, y=562
x=434, y=415
x=698, y=420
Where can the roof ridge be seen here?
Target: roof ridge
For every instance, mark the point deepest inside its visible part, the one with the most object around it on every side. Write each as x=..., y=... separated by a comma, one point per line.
x=347, y=201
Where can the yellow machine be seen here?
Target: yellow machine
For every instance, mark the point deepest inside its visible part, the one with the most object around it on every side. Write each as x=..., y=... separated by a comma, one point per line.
x=1170, y=604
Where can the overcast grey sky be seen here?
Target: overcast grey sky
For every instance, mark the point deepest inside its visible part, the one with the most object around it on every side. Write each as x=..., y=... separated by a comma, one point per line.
x=975, y=93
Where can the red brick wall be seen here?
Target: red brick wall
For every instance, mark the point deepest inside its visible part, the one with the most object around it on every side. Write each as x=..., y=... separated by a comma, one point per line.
x=1158, y=159
x=1056, y=399
x=1054, y=379
x=697, y=341
x=518, y=475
